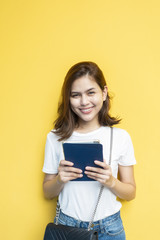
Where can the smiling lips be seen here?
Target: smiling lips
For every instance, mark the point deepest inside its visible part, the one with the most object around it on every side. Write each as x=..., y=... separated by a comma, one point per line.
x=86, y=110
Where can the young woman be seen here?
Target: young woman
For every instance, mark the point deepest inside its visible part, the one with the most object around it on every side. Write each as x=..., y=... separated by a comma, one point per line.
x=83, y=115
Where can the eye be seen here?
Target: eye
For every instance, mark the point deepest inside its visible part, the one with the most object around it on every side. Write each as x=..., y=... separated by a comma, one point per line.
x=74, y=95
x=91, y=93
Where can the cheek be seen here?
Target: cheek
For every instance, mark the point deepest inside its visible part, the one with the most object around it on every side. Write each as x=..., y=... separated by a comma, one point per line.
x=98, y=101
x=73, y=103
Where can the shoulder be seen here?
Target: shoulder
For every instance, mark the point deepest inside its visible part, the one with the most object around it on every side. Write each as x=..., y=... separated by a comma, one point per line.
x=120, y=132
x=121, y=135
x=52, y=138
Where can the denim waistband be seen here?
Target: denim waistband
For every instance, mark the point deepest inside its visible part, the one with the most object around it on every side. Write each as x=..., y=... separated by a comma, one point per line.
x=67, y=220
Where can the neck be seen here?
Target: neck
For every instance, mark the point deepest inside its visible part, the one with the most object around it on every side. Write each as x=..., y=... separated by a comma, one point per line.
x=87, y=127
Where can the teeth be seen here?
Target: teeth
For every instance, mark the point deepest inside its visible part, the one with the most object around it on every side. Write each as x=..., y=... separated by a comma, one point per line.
x=86, y=110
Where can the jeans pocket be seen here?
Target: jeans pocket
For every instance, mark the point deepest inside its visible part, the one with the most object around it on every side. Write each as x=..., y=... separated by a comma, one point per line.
x=115, y=227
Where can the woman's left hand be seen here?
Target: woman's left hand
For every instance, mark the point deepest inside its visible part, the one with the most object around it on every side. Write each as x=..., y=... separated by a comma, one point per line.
x=102, y=175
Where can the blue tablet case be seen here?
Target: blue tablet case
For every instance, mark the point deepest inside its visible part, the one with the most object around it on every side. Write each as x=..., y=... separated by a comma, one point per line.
x=82, y=155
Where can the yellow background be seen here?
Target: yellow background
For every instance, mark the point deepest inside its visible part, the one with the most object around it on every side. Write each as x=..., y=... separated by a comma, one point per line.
x=40, y=41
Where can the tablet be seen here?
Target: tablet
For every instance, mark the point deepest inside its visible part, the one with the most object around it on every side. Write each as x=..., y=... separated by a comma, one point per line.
x=82, y=155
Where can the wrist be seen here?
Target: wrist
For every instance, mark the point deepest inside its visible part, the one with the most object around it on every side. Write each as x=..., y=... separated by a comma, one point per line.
x=59, y=182
x=112, y=183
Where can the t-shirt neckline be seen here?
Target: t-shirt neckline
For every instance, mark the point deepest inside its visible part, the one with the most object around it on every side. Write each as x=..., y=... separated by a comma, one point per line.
x=88, y=133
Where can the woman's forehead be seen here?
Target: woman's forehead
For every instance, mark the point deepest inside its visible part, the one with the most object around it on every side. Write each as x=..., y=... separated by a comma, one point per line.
x=84, y=83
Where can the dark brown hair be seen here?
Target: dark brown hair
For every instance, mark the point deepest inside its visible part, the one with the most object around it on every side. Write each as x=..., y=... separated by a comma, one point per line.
x=67, y=120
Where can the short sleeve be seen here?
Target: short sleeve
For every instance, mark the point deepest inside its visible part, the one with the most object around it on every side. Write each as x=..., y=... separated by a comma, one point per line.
x=127, y=157
x=50, y=159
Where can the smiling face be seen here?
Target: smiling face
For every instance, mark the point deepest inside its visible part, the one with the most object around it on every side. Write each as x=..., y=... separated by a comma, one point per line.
x=86, y=100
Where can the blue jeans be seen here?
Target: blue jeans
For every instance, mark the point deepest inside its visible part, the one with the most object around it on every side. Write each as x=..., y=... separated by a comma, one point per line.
x=110, y=228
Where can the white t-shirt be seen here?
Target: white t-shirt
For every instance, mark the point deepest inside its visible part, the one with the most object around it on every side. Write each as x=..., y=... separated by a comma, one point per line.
x=78, y=199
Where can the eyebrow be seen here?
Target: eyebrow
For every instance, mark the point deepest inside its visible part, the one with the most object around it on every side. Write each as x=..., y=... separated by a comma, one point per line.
x=85, y=91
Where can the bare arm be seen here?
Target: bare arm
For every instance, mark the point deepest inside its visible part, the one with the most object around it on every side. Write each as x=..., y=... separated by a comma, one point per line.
x=51, y=186
x=54, y=183
x=124, y=187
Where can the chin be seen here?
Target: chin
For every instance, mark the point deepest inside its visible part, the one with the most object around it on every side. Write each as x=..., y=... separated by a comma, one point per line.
x=87, y=119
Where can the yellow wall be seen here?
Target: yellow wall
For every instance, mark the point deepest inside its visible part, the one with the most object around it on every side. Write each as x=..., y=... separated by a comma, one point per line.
x=39, y=41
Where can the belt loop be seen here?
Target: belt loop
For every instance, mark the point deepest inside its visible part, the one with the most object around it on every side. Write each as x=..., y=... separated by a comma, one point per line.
x=101, y=224
x=78, y=223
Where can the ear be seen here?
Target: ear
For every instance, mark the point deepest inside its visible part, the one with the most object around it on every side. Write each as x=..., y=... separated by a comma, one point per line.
x=104, y=92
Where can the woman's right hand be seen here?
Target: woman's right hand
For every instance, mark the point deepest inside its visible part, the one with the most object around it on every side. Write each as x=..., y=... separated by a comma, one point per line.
x=67, y=172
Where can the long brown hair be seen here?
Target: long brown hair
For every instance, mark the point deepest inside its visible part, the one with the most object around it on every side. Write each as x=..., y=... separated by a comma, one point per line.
x=67, y=120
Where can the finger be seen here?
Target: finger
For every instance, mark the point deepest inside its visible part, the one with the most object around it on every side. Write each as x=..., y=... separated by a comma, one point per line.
x=73, y=170
x=73, y=178
x=97, y=179
x=66, y=163
x=97, y=175
x=69, y=169
x=72, y=175
x=94, y=169
x=102, y=164
x=69, y=176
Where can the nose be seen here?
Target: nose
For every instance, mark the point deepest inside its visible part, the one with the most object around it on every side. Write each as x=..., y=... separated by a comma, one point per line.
x=84, y=100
